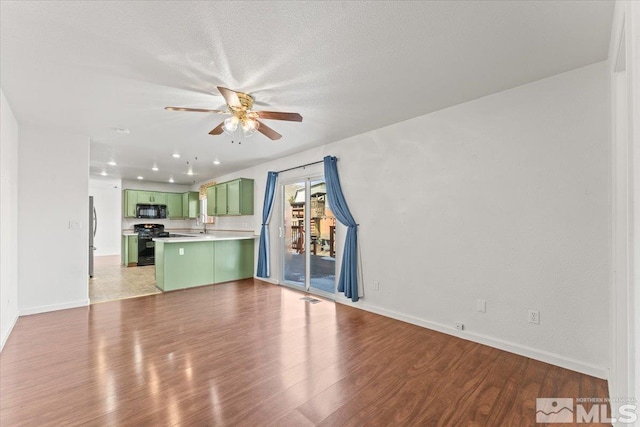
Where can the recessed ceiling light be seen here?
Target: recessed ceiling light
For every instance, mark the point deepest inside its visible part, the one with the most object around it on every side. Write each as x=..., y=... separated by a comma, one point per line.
x=140, y=177
x=176, y=156
x=171, y=180
x=112, y=163
x=104, y=173
x=122, y=131
x=155, y=169
x=216, y=162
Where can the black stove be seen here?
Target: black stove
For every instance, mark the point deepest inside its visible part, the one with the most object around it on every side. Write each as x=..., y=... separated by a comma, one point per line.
x=146, y=245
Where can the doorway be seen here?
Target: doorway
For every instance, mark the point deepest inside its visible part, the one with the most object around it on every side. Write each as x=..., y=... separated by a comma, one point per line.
x=308, y=241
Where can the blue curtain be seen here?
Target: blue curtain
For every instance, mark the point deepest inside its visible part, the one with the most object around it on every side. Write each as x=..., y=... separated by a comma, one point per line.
x=263, y=250
x=348, y=281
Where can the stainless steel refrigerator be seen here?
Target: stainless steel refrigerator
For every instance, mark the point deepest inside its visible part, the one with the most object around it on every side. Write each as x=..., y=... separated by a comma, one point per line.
x=93, y=227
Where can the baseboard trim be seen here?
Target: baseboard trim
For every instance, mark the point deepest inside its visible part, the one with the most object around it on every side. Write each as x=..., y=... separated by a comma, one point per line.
x=268, y=280
x=532, y=353
x=6, y=337
x=53, y=307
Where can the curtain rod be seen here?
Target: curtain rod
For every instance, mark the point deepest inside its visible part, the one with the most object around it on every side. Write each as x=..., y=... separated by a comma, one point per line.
x=301, y=166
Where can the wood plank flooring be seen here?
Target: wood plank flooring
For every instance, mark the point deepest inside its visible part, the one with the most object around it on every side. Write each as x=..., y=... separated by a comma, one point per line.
x=249, y=353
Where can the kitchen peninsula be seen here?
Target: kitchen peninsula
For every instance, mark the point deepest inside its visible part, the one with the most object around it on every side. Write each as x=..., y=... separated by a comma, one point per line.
x=203, y=259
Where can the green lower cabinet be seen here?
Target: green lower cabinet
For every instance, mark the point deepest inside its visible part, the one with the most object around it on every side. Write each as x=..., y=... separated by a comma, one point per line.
x=174, y=205
x=129, y=253
x=233, y=260
x=181, y=265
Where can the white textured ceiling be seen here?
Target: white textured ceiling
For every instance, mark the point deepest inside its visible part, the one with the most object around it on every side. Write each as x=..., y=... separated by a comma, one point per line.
x=348, y=67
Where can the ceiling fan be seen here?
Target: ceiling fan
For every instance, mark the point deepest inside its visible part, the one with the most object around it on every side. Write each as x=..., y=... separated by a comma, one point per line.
x=239, y=106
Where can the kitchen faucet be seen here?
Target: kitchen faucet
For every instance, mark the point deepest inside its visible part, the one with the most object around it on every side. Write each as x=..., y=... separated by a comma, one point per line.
x=203, y=217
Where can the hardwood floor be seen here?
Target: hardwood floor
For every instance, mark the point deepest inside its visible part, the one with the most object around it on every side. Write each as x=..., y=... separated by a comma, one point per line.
x=249, y=353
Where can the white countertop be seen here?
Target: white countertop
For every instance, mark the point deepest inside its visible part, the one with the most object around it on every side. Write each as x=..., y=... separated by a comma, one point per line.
x=218, y=235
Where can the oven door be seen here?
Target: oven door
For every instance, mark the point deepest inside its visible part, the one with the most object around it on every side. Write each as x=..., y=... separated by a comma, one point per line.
x=146, y=250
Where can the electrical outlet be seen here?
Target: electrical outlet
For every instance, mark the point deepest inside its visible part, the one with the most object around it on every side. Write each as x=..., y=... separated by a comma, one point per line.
x=181, y=251
x=460, y=326
x=376, y=285
x=534, y=317
x=481, y=306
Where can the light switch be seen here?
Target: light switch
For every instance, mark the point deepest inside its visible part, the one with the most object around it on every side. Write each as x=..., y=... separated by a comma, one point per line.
x=181, y=251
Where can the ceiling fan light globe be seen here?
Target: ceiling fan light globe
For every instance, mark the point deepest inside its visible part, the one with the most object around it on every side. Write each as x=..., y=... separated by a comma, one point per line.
x=230, y=125
x=250, y=125
x=248, y=133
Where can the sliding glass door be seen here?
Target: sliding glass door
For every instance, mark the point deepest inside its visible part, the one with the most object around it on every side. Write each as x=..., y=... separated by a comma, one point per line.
x=295, y=266
x=309, y=237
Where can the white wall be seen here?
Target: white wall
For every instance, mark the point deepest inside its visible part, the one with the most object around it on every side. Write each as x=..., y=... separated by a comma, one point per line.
x=8, y=220
x=53, y=188
x=624, y=63
x=107, y=200
x=504, y=198
x=169, y=224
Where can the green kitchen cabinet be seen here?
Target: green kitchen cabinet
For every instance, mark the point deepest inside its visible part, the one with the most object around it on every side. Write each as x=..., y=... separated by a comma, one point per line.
x=191, y=204
x=240, y=197
x=130, y=201
x=184, y=265
x=233, y=260
x=152, y=198
x=231, y=198
x=221, y=199
x=129, y=250
x=211, y=200
x=174, y=205
x=145, y=197
x=181, y=265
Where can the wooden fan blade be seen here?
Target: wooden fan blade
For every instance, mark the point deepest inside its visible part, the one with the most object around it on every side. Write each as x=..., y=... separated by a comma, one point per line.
x=198, y=110
x=230, y=96
x=274, y=115
x=267, y=131
x=217, y=130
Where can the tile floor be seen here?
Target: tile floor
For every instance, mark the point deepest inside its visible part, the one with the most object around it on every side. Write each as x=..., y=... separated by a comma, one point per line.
x=111, y=281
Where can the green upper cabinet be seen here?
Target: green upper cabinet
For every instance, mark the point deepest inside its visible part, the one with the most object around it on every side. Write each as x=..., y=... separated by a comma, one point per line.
x=130, y=200
x=221, y=199
x=230, y=198
x=160, y=198
x=191, y=204
x=178, y=206
x=152, y=198
x=174, y=205
x=240, y=197
x=211, y=200
x=144, y=197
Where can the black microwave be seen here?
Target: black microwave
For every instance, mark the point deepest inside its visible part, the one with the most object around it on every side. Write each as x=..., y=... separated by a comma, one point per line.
x=151, y=211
